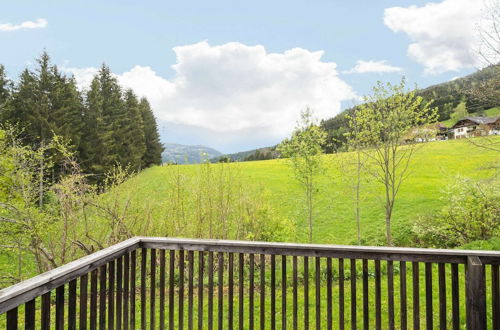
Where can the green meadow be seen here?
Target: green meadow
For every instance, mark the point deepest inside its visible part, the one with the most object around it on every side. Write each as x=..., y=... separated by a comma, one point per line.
x=433, y=167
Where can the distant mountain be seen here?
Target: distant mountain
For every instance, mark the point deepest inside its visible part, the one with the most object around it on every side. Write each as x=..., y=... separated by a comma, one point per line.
x=183, y=154
x=255, y=154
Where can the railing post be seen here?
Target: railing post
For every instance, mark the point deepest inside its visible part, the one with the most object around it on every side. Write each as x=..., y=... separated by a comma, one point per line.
x=476, y=294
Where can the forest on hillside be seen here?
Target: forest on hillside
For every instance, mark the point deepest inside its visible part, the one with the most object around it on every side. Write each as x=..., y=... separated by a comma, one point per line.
x=479, y=91
x=104, y=126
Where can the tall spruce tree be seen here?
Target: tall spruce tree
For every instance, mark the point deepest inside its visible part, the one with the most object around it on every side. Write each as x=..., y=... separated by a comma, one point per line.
x=94, y=146
x=104, y=126
x=113, y=114
x=154, y=148
x=5, y=91
x=134, y=139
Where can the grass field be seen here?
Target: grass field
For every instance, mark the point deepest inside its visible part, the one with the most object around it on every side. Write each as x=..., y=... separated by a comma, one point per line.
x=434, y=166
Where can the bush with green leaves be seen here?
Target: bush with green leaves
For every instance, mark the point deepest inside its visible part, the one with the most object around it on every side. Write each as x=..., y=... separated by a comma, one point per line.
x=472, y=213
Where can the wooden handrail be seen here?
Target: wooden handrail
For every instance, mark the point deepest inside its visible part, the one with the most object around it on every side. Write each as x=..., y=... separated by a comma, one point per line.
x=24, y=291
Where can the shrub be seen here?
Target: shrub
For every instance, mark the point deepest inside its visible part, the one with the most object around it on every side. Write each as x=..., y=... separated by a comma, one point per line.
x=471, y=213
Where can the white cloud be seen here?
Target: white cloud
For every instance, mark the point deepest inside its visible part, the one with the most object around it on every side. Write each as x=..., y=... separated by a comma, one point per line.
x=443, y=34
x=373, y=67
x=39, y=23
x=233, y=88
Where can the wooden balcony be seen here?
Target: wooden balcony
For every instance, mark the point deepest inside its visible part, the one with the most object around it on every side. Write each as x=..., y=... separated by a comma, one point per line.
x=167, y=283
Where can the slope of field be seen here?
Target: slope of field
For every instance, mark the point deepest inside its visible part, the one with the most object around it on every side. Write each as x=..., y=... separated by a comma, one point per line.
x=435, y=165
x=493, y=112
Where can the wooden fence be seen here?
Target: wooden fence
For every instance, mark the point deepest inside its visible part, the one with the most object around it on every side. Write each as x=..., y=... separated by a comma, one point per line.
x=159, y=283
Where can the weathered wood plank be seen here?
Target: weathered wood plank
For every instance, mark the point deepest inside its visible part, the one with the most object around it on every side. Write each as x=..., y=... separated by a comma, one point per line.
x=476, y=294
x=152, y=290
x=60, y=308
x=181, y=290
x=162, y=289
x=45, y=311
x=200, y=289
x=72, y=305
x=322, y=250
x=83, y=302
x=29, y=315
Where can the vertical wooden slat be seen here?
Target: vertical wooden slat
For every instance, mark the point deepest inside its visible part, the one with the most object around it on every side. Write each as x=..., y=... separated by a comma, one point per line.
x=83, y=301
x=133, y=267
x=341, y=294
x=200, y=289
x=353, y=295
x=93, y=299
x=428, y=296
x=495, y=297
x=366, y=312
x=210, y=290
x=72, y=305
x=295, y=294
x=220, y=291
x=171, y=289
x=102, y=297
x=190, y=288
x=318, y=292
x=402, y=295
x=126, y=291
x=230, y=297
x=251, y=288
x=262, y=292
x=329, y=304
x=306, y=293
x=283, y=292
x=390, y=293
x=475, y=294
x=144, y=254
x=60, y=308
x=111, y=295
x=416, y=295
x=45, y=311
x=29, y=315
x=152, y=290
x=442, y=296
x=378, y=296
x=12, y=321
x=119, y=292
x=162, y=290
x=455, y=310
x=181, y=290
x=273, y=292
x=240, y=290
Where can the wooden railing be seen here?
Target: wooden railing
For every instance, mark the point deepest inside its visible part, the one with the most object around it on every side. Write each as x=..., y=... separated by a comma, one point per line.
x=158, y=283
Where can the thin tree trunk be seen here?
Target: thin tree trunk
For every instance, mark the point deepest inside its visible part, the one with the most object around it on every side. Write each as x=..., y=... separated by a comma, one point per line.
x=40, y=183
x=358, y=184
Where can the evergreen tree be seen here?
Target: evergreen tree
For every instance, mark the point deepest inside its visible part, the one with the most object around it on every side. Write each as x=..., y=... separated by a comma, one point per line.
x=134, y=140
x=154, y=148
x=94, y=147
x=5, y=91
x=113, y=114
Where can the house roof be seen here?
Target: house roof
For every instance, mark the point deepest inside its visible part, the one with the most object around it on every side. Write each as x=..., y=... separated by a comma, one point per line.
x=477, y=120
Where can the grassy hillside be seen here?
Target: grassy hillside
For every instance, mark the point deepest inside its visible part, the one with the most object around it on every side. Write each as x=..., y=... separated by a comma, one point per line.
x=487, y=113
x=435, y=165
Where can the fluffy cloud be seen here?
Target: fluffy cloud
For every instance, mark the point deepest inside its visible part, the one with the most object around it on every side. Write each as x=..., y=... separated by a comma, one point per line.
x=373, y=67
x=444, y=34
x=39, y=23
x=234, y=88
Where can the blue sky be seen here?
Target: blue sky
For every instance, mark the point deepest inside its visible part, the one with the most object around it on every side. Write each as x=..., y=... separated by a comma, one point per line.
x=244, y=69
